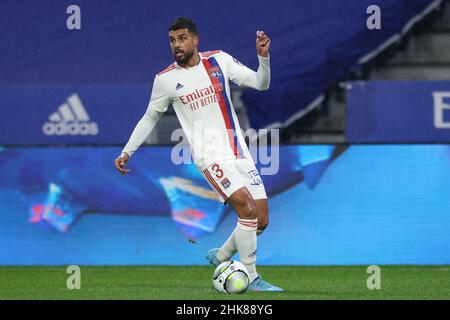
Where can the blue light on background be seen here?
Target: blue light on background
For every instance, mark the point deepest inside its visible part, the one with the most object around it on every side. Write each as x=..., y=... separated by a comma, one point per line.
x=371, y=205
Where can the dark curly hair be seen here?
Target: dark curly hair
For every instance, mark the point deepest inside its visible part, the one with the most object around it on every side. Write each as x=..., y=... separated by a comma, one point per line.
x=184, y=23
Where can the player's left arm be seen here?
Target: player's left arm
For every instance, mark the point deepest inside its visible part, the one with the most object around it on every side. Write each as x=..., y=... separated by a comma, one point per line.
x=259, y=80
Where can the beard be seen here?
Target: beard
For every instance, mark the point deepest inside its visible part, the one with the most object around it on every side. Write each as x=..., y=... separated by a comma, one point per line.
x=187, y=55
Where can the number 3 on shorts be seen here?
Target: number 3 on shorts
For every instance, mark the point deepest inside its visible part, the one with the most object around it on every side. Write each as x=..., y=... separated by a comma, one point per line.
x=216, y=169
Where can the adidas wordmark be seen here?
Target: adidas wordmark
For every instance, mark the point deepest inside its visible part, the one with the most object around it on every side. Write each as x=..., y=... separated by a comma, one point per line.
x=70, y=119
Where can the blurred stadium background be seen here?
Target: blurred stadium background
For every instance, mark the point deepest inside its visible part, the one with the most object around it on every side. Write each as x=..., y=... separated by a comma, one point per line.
x=363, y=115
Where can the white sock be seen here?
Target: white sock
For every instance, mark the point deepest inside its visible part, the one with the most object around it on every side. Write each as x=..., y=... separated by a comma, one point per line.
x=228, y=249
x=245, y=238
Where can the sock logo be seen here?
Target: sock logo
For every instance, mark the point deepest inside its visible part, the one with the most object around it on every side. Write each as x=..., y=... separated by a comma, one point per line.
x=70, y=119
x=251, y=255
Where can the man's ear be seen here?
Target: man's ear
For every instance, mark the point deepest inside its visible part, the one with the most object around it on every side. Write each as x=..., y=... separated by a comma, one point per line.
x=196, y=40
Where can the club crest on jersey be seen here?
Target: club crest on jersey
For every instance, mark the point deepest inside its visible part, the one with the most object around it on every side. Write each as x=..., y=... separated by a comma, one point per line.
x=226, y=183
x=214, y=72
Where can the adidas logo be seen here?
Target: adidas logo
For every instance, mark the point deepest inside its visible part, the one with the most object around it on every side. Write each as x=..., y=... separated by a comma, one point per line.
x=179, y=86
x=70, y=119
x=252, y=254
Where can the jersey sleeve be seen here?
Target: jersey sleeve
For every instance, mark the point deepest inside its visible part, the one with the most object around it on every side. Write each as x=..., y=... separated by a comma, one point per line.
x=158, y=104
x=237, y=71
x=160, y=99
x=246, y=77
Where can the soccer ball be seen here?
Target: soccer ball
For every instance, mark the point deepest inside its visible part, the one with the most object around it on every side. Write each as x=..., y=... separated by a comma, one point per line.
x=231, y=277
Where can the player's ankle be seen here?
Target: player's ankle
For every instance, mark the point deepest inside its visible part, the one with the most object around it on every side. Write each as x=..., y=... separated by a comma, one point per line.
x=222, y=256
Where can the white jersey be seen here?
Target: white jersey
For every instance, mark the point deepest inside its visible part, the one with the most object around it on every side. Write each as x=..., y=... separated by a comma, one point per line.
x=200, y=96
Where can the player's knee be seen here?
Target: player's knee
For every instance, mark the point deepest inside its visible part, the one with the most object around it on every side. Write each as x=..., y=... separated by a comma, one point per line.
x=244, y=205
x=248, y=210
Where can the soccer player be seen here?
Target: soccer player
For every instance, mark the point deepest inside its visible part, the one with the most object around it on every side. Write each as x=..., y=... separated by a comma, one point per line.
x=197, y=86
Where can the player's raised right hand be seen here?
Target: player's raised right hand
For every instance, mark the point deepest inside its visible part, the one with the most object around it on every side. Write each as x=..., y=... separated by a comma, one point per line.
x=120, y=163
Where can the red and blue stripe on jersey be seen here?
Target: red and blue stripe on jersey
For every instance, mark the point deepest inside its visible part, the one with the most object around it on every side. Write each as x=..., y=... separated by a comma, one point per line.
x=225, y=106
x=169, y=68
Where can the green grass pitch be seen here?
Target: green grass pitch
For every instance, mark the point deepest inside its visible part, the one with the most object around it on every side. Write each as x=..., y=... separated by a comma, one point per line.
x=194, y=282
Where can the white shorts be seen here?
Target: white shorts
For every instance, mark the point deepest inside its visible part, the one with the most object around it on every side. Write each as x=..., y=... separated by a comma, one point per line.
x=225, y=177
